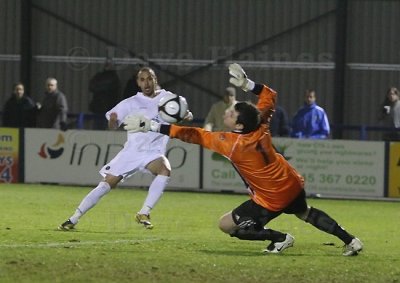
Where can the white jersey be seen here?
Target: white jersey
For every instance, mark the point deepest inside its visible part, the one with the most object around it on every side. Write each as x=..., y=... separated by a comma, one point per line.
x=140, y=148
x=148, y=107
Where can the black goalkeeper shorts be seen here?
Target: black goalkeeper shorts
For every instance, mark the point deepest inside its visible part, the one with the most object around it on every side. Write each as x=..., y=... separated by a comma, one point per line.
x=261, y=216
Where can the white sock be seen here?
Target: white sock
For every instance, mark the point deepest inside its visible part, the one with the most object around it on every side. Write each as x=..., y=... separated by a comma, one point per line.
x=90, y=200
x=156, y=189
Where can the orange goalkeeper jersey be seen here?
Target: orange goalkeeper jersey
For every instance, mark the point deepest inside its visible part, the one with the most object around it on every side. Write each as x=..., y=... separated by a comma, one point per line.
x=272, y=182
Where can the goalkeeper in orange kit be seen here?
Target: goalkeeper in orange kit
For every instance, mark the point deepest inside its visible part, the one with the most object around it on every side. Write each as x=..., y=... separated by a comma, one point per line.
x=274, y=186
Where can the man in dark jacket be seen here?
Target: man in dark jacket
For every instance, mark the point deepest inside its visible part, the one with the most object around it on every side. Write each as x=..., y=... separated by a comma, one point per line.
x=54, y=108
x=105, y=87
x=19, y=110
x=279, y=126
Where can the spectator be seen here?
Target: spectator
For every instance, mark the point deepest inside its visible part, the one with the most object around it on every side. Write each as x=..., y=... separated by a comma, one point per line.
x=311, y=120
x=19, y=110
x=105, y=87
x=131, y=88
x=53, y=109
x=390, y=114
x=214, y=120
x=279, y=125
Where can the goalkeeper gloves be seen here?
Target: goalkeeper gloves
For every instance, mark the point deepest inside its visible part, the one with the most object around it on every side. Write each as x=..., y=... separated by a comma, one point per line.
x=239, y=77
x=139, y=123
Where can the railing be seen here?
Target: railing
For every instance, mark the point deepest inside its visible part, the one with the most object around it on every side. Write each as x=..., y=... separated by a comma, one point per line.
x=83, y=121
x=363, y=131
x=92, y=121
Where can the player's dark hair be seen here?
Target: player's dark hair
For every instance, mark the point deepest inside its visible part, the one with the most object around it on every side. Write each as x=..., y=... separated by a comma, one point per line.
x=249, y=116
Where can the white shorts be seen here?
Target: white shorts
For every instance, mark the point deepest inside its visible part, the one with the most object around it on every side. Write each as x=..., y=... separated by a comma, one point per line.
x=129, y=161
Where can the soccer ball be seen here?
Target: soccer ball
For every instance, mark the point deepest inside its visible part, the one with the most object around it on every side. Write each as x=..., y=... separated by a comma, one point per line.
x=172, y=108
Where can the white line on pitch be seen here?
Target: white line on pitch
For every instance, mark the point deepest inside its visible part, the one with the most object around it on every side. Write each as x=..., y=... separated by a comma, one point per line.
x=75, y=243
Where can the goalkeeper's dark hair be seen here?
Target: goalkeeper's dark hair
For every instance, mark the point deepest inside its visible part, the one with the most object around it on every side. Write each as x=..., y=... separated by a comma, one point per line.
x=249, y=116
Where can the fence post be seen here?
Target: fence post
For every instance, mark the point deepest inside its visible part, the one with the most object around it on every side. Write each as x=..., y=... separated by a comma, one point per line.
x=80, y=120
x=363, y=132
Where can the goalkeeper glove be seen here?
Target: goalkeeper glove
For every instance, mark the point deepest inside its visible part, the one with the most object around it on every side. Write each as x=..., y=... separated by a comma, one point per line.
x=239, y=77
x=139, y=123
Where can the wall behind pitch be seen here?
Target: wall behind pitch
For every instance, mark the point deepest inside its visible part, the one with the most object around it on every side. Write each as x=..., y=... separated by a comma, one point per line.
x=373, y=59
x=290, y=44
x=9, y=47
x=182, y=36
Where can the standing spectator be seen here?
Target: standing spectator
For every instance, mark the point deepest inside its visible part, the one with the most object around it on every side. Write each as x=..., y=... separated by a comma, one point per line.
x=214, y=120
x=105, y=87
x=19, y=110
x=53, y=109
x=131, y=88
x=279, y=125
x=391, y=114
x=310, y=121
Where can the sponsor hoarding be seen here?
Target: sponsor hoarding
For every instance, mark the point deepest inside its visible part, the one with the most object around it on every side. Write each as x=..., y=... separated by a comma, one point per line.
x=9, y=155
x=330, y=167
x=394, y=170
x=76, y=156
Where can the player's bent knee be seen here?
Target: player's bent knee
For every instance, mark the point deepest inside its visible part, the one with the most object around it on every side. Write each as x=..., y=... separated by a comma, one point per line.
x=165, y=172
x=226, y=223
x=160, y=166
x=112, y=180
x=224, y=228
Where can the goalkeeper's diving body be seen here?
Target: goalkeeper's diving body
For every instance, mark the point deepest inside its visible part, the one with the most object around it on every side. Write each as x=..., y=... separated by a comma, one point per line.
x=143, y=152
x=274, y=186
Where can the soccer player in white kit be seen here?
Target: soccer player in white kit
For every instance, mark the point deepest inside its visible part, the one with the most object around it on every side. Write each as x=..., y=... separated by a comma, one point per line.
x=142, y=152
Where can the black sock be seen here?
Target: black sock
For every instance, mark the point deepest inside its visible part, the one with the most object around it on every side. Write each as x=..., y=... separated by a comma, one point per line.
x=324, y=222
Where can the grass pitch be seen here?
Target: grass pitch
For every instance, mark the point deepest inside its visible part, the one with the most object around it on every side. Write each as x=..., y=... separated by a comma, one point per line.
x=185, y=244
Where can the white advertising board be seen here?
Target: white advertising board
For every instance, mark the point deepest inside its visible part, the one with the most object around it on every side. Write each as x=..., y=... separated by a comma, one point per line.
x=219, y=174
x=337, y=167
x=330, y=167
x=76, y=156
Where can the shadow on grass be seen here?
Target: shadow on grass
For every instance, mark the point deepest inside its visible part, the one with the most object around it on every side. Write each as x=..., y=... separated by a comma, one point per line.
x=84, y=231
x=231, y=253
x=260, y=253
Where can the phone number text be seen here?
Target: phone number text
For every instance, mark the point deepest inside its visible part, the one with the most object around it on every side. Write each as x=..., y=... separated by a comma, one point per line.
x=340, y=179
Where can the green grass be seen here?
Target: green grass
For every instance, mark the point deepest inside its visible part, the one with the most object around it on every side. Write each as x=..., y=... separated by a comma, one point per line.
x=186, y=244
